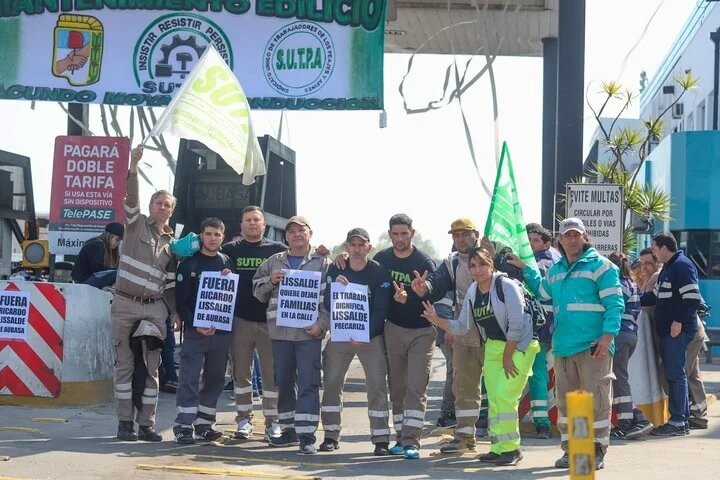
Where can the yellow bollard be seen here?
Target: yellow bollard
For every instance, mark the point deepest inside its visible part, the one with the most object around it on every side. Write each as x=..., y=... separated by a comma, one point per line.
x=581, y=435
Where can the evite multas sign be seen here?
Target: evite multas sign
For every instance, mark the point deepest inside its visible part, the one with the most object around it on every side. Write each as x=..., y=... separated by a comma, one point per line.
x=88, y=187
x=600, y=207
x=295, y=54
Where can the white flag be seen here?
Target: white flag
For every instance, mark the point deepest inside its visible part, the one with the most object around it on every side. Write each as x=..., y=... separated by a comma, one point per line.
x=212, y=108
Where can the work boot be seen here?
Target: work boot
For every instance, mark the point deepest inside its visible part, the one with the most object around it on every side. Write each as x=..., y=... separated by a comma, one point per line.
x=490, y=457
x=286, y=439
x=669, y=430
x=457, y=446
x=543, y=432
x=563, y=462
x=208, y=434
x=446, y=420
x=639, y=430
x=329, y=445
x=126, y=431
x=599, y=457
x=148, y=434
x=382, y=449
x=507, y=459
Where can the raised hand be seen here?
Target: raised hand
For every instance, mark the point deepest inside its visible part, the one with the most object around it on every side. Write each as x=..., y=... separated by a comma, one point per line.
x=400, y=293
x=418, y=284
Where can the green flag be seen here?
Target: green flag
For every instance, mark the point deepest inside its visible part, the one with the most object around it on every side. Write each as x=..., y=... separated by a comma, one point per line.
x=505, y=222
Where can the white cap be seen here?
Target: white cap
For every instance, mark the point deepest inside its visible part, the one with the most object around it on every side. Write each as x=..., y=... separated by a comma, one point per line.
x=572, y=224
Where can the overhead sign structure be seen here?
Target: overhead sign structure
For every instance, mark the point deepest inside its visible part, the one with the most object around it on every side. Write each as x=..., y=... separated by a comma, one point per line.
x=600, y=207
x=287, y=54
x=88, y=187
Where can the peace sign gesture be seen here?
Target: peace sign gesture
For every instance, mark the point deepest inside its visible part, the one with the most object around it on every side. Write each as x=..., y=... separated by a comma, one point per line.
x=400, y=293
x=418, y=284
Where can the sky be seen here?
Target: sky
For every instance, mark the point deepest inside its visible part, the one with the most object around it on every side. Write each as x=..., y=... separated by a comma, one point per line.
x=352, y=173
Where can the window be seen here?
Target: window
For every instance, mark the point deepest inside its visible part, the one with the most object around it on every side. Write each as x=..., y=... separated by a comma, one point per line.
x=701, y=116
x=699, y=248
x=690, y=125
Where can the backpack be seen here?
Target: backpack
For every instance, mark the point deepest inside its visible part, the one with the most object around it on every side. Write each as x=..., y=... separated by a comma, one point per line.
x=533, y=308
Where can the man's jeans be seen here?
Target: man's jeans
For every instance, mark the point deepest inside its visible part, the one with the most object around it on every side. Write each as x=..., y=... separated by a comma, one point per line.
x=673, y=352
x=167, y=372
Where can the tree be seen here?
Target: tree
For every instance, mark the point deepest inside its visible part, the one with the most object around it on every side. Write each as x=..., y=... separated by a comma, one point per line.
x=646, y=201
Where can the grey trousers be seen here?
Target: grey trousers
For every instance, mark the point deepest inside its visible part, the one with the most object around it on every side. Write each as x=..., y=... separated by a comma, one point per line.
x=698, y=401
x=447, y=407
x=625, y=344
x=207, y=354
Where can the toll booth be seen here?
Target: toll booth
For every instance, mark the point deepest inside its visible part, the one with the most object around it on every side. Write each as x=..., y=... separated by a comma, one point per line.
x=206, y=186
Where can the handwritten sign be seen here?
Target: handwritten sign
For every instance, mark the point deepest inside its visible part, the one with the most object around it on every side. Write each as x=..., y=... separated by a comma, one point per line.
x=215, y=303
x=349, y=313
x=298, y=299
x=14, y=311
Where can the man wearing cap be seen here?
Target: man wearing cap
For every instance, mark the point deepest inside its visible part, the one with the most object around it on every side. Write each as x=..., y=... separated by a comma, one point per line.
x=588, y=302
x=97, y=262
x=145, y=290
x=454, y=276
x=296, y=351
x=338, y=355
x=250, y=330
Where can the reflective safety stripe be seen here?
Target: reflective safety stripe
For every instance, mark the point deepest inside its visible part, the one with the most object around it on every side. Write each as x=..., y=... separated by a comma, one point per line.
x=207, y=410
x=244, y=408
x=677, y=424
x=123, y=386
x=583, y=274
x=466, y=430
x=123, y=395
x=507, y=436
x=242, y=390
x=310, y=429
x=270, y=412
x=130, y=209
x=331, y=408
x=398, y=417
x=149, y=400
x=397, y=426
x=202, y=421
x=585, y=307
x=273, y=301
x=538, y=403
x=270, y=394
x=331, y=428
x=306, y=417
x=182, y=425
x=378, y=413
x=695, y=296
x=625, y=416
x=540, y=414
x=602, y=269
x=542, y=292
x=606, y=292
x=466, y=413
x=502, y=417
x=625, y=399
x=634, y=299
x=414, y=413
x=187, y=409
x=142, y=266
x=287, y=426
x=689, y=287
x=548, y=308
x=141, y=282
x=604, y=441
x=665, y=285
x=286, y=415
x=602, y=424
x=170, y=275
x=557, y=278
x=410, y=422
x=561, y=420
x=379, y=431
x=664, y=295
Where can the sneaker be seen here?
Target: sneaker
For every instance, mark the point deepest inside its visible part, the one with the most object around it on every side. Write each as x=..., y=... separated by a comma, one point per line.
x=698, y=423
x=481, y=432
x=184, y=437
x=329, y=445
x=207, y=434
x=229, y=387
x=307, y=447
x=563, y=462
x=490, y=457
x=617, y=433
x=169, y=387
x=273, y=431
x=397, y=449
x=457, y=446
x=382, y=449
x=244, y=430
x=543, y=432
x=669, y=430
x=256, y=395
x=507, y=459
x=599, y=457
x=148, y=434
x=639, y=430
x=126, y=432
x=286, y=439
x=446, y=420
x=411, y=452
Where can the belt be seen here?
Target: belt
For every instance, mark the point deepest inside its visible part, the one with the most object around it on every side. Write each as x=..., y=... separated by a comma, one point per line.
x=141, y=300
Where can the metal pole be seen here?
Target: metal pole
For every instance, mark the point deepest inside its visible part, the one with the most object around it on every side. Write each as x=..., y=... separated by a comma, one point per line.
x=549, y=165
x=715, y=37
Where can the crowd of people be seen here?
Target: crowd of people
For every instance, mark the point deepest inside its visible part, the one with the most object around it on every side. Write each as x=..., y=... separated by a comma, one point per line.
x=475, y=306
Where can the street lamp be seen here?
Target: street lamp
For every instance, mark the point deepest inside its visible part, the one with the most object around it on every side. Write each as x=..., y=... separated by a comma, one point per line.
x=715, y=37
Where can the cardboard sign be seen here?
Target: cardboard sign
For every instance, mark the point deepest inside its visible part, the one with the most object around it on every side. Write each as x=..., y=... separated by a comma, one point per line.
x=88, y=187
x=298, y=299
x=14, y=312
x=215, y=303
x=349, y=313
x=600, y=207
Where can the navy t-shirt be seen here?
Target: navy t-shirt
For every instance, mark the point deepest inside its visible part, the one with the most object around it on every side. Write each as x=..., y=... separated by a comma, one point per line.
x=406, y=315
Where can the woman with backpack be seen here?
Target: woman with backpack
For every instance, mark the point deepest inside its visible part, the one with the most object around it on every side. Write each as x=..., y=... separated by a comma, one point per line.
x=510, y=349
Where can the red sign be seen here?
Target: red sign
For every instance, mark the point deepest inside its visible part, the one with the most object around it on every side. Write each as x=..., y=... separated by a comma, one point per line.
x=88, y=187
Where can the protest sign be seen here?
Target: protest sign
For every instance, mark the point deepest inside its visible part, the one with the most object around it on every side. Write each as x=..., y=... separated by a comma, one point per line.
x=298, y=299
x=14, y=312
x=349, y=313
x=216, y=301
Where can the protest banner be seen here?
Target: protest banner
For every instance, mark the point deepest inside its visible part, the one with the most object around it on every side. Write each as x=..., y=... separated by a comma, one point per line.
x=14, y=313
x=349, y=313
x=215, y=303
x=88, y=187
x=298, y=299
x=600, y=207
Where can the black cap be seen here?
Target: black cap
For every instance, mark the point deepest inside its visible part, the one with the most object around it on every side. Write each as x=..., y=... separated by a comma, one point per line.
x=116, y=229
x=358, y=232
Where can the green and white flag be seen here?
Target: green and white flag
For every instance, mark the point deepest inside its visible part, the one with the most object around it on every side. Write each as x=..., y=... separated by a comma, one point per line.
x=505, y=222
x=212, y=108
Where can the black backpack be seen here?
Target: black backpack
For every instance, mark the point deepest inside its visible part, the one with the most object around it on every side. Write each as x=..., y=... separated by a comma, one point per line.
x=533, y=308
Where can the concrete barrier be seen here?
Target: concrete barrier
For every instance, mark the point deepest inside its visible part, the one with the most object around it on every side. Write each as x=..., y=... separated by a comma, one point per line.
x=86, y=376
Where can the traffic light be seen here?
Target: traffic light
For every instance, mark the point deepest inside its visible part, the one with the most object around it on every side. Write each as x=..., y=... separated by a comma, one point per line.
x=35, y=254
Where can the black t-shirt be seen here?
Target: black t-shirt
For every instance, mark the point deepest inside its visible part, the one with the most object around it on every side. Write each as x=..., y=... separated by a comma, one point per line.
x=485, y=319
x=380, y=290
x=188, y=283
x=247, y=257
x=406, y=315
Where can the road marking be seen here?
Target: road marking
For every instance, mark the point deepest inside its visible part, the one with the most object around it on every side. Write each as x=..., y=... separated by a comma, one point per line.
x=224, y=471
x=50, y=420
x=19, y=429
x=271, y=461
